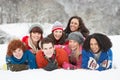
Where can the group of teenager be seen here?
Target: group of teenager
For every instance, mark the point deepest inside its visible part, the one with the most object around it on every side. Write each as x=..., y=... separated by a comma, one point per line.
x=70, y=48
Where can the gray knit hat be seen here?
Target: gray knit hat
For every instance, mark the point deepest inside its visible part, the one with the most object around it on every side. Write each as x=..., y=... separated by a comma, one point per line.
x=77, y=36
x=36, y=28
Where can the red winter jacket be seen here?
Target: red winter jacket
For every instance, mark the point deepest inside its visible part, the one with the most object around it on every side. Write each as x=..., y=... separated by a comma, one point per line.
x=25, y=40
x=61, y=57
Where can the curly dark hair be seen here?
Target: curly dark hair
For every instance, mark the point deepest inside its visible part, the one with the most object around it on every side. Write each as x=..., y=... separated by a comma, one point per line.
x=13, y=45
x=103, y=42
x=82, y=28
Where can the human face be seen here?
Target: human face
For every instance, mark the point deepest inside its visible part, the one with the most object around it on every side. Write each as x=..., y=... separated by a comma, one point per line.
x=57, y=34
x=74, y=24
x=73, y=45
x=94, y=45
x=18, y=53
x=48, y=49
x=35, y=36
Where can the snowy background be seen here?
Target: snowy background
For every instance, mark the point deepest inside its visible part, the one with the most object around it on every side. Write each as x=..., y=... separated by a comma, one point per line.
x=10, y=31
x=98, y=15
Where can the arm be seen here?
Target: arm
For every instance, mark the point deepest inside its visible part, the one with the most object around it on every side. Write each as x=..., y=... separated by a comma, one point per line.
x=107, y=63
x=15, y=67
x=61, y=57
x=31, y=60
x=40, y=59
x=85, y=58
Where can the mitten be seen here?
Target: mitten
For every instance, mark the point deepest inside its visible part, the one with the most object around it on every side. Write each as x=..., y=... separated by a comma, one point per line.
x=92, y=64
x=52, y=65
x=17, y=67
x=106, y=63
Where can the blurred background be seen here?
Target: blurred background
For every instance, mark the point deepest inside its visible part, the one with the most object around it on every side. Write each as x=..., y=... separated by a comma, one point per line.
x=98, y=15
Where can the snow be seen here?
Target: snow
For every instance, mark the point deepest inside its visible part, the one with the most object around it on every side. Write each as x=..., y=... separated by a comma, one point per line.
x=21, y=29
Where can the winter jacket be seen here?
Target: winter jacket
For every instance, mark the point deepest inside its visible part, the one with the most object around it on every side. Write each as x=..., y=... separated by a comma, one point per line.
x=61, y=57
x=26, y=62
x=27, y=40
x=87, y=55
x=73, y=62
x=58, y=42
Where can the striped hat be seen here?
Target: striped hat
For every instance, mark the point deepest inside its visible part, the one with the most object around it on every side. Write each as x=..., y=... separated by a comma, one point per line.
x=57, y=26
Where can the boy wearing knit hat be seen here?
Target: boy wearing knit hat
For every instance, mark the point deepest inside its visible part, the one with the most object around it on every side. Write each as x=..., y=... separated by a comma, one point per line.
x=57, y=35
x=74, y=49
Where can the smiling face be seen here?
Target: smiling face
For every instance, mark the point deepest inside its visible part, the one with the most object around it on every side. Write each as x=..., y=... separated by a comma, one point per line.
x=73, y=45
x=35, y=36
x=74, y=24
x=48, y=49
x=94, y=45
x=18, y=53
x=57, y=34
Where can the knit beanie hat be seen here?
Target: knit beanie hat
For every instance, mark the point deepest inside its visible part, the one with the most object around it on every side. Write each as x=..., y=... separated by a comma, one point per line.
x=36, y=28
x=57, y=25
x=77, y=36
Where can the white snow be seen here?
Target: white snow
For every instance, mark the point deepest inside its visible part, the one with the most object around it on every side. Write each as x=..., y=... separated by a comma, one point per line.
x=21, y=29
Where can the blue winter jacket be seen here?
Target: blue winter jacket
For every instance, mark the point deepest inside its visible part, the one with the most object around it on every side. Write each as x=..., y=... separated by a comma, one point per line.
x=27, y=58
x=103, y=56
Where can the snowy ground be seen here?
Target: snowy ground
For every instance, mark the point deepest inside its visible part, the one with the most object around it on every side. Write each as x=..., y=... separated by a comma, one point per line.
x=19, y=30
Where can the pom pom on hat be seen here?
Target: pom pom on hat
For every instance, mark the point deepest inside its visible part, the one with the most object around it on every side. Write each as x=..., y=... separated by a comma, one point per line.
x=57, y=26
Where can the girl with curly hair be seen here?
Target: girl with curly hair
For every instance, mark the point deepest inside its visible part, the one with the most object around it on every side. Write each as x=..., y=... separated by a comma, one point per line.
x=96, y=54
x=18, y=57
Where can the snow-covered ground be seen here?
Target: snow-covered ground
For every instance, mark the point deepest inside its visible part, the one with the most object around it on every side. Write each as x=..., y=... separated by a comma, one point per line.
x=21, y=29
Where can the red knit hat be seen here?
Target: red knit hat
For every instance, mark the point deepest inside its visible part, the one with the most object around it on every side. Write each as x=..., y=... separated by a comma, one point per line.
x=57, y=26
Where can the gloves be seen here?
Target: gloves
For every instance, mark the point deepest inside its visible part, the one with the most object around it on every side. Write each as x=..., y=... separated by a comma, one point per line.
x=92, y=64
x=106, y=63
x=52, y=65
x=17, y=67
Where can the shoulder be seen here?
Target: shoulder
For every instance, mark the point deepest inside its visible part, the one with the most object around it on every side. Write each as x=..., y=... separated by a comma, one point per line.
x=27, y=52
x=67, y=49
x=60, y=50
x=25, y=38
x=8, y=58
x=110, y=51
x=39, y=53
x=84, y=51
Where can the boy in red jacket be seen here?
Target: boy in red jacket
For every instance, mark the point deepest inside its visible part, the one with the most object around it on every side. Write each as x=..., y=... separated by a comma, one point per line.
x=50, y=58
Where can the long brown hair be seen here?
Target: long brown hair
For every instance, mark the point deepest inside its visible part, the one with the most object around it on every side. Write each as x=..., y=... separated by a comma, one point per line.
x=82, y=28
